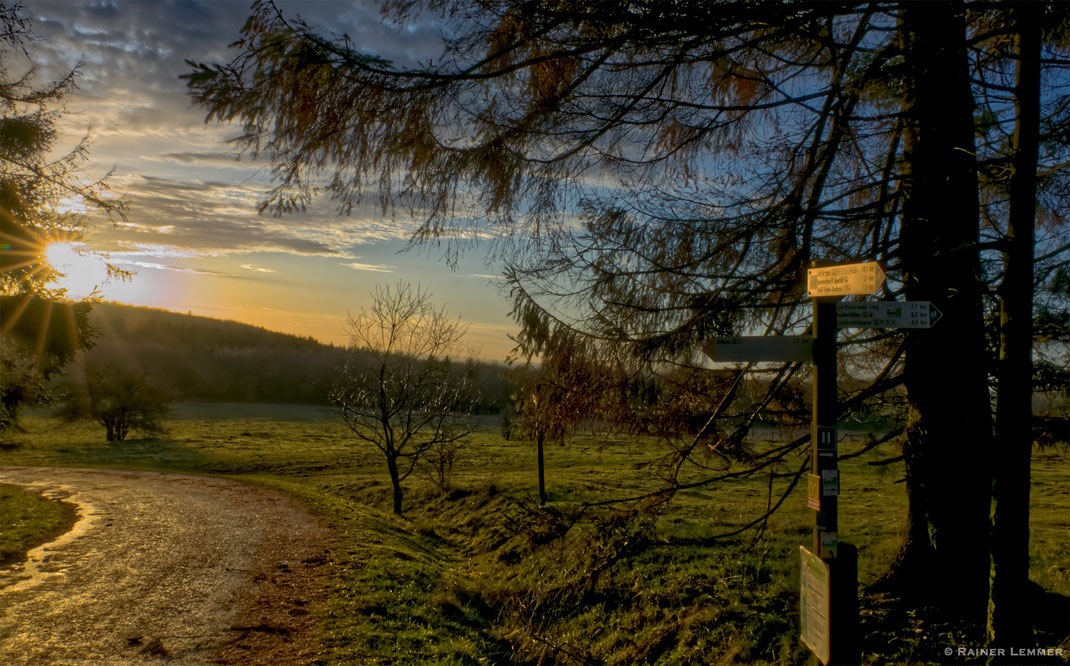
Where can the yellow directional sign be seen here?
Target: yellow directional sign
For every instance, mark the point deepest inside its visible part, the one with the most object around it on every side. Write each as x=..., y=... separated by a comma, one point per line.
x=845, y=280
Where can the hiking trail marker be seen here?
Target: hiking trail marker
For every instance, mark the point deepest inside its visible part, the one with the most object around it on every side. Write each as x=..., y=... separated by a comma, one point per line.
x=887, y=314
x=844, y=280
x=760, y=348
x=814, y=603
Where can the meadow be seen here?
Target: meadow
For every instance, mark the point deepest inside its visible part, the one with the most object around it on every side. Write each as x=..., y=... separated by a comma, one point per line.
x=480, y=573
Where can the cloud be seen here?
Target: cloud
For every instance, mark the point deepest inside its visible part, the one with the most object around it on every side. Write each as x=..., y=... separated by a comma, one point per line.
x=185, y=189
x=134, y=226
x=156, y=251
x=176, y=269
x=228, y=159
x=221, y=218
x=258, y=269
x=375, y=268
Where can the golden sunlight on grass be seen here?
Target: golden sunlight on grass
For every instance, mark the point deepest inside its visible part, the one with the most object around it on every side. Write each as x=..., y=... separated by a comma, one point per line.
x=81, y=273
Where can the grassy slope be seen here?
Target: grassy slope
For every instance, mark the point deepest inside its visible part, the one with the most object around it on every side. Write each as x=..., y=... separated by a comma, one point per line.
x=483, y=574
x=28, y=520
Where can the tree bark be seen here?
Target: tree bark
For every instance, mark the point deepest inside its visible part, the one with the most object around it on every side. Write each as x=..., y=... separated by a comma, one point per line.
x=1008, y=623
x=395, y=482
x=945, y=560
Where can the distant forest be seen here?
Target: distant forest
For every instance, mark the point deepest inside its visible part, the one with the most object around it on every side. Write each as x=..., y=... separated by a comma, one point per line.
x=200, y=358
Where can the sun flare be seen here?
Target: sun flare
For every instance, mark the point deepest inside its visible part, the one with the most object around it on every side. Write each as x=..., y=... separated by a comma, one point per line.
x=81, y=273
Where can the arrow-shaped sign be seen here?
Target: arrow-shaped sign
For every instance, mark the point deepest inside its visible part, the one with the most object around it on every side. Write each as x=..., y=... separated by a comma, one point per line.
x=844, y=280
x=760, y=348
x=887, y=314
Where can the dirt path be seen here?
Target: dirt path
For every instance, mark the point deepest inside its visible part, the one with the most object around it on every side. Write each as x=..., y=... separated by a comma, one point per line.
x=189, y=569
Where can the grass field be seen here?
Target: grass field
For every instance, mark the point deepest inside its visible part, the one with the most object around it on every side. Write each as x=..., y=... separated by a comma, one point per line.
x=28, y=520
x=482, y=574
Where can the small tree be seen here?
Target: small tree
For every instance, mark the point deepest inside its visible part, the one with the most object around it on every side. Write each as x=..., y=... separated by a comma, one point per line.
x=122, y=402
x=402, y=393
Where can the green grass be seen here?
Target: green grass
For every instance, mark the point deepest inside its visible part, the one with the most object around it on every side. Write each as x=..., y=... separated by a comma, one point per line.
x=483, y=575
x=28, y=520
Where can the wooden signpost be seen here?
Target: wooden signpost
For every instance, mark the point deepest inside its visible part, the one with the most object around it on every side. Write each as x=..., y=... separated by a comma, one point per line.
x=829, y=581
x=839, y=557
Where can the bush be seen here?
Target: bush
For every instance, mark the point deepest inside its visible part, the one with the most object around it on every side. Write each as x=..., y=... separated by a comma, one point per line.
x=121, y=402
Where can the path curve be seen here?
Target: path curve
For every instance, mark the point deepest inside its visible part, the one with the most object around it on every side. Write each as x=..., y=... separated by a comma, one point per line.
x=193, y=569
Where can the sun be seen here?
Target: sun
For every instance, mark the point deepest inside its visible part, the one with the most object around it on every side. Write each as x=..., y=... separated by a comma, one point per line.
x=81, y=273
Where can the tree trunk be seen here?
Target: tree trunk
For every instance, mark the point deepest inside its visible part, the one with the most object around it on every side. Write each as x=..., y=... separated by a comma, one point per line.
x=946, y=558
x=395, y=481
x=1008, y=623
x=540, y=438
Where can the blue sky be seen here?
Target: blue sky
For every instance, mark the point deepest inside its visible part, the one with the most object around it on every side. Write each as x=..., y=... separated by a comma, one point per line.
x=193, y=235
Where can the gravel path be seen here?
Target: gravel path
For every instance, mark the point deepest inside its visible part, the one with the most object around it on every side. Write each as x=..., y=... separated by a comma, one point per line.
x=164, y=567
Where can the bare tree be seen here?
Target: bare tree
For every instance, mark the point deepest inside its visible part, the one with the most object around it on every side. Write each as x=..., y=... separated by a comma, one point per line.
x=403, y=394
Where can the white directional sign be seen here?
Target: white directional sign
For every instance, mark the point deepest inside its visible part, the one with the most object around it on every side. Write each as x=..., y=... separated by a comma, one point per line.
x=887, y=314
x=760, y=348
x=845, y=280
x=814, y=603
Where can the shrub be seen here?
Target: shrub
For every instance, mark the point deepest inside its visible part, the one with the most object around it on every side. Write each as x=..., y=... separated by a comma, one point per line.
x=121, y=402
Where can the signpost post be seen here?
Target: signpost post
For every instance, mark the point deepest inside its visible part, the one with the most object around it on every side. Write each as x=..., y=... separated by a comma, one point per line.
x=829, y=587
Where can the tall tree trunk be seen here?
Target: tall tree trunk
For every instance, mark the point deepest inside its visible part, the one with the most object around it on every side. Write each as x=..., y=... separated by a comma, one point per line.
x=395, y=481
x=1008, y=623
x=949, y=428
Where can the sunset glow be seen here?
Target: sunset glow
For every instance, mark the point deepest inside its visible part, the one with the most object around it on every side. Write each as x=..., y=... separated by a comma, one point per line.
x=192, y=239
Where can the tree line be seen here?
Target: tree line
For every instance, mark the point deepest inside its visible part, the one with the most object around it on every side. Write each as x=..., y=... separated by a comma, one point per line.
x=200, y=358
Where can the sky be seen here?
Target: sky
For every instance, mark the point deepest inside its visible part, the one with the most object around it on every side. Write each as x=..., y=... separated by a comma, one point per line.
x=193, y=236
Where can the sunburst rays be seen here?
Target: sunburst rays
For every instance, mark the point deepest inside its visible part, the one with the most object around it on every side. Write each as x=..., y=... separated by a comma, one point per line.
x=33, y=309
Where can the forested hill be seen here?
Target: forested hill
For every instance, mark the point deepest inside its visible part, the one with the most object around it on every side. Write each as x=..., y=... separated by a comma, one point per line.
x=199, y=358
